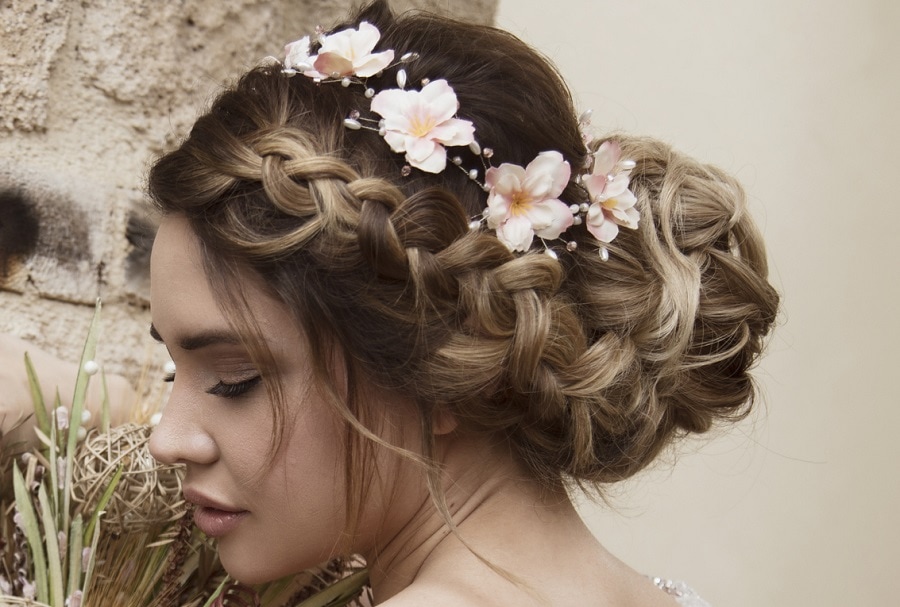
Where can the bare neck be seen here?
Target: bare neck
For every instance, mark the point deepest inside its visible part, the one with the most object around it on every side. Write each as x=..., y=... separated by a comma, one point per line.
x=490, y=501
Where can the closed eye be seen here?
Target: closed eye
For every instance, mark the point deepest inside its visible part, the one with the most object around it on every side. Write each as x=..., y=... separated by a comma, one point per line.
x=234, y=390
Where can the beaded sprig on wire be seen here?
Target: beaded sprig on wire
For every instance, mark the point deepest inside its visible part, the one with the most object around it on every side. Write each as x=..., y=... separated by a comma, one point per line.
x=522, y=202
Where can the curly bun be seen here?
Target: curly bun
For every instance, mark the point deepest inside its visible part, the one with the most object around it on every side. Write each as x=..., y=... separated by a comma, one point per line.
x=681, y=310
x=585, y=368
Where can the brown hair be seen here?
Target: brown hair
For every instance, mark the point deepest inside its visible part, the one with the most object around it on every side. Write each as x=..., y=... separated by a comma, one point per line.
x=585, y=368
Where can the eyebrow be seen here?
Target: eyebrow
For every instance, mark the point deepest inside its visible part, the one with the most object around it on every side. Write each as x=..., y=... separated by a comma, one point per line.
x=201, y=339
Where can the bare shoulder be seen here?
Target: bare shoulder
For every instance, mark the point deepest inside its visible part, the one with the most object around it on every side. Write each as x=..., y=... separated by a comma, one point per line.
x=434, y=595
x=438, y=596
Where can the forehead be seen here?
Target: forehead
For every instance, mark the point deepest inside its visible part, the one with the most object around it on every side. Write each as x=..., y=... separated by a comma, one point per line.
x=176, y=266
x=182, y=302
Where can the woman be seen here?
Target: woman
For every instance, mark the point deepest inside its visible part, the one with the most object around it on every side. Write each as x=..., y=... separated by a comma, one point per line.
x=409, y=305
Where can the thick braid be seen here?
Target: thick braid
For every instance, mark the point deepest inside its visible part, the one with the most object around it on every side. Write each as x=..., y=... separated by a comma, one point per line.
x=585, y=368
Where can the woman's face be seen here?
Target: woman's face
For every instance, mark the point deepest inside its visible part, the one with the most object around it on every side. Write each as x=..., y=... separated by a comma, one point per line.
x=271, y=516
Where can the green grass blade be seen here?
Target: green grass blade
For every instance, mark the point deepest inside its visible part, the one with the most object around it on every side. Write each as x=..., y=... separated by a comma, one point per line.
x=89, y=570
x=215, y=595
x=32, y=534
x=55, y=564
x=340, y=593
x=52, y=458
x=81, y=385
x=42, y=418
x=101, y=505
x=76, y=536
x=104, y=411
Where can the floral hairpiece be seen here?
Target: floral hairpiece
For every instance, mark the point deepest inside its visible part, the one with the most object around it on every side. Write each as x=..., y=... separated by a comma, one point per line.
x=523, y=202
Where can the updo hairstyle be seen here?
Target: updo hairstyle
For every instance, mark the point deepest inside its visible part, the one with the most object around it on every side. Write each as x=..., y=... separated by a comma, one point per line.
x=585, y=368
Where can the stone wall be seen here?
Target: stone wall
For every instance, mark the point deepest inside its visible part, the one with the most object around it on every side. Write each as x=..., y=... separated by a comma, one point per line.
x=90, y=92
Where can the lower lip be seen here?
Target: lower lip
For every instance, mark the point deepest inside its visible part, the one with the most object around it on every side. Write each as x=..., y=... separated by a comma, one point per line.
x=216, y=523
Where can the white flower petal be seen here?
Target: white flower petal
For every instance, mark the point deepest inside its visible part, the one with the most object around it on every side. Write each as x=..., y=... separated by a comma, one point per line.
x=396, y=140
x=419, y=148
x=510, y=184
x=297, y=54
x=606, y=157
x=516, y=233
x=435, y=163
x=498, y=209
x=556, y=218
x=596, y=186
x=440, y=99
x=547, y=175
x=454, y=132
x=597, y=224
x=625, y=200
x=338, y=42
x=365, y=38
x=394, y=106
x=627, y=218
x=506, y=179
x=372, y=64
x=616, y=187
x=332, y=64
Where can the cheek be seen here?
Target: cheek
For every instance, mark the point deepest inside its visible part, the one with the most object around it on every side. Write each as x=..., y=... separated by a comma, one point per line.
x=307, y=472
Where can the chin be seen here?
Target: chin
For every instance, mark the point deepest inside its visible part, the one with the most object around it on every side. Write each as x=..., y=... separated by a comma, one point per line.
x=256, y=565
x=249, y=565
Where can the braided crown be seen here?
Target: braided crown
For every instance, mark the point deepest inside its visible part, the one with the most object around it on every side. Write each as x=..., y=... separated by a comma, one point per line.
x=585, y=368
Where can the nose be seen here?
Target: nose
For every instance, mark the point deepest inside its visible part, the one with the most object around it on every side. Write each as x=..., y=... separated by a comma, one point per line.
x=180, y=437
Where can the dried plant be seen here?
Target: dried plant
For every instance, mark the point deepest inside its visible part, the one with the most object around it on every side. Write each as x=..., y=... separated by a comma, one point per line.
x=91, y=519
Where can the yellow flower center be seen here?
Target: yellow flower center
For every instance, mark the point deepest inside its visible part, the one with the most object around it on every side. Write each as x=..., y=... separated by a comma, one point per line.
x=521, y=202
x=420, y=126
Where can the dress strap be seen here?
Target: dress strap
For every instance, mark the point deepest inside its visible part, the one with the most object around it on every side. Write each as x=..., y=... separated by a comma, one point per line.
x=684, y=594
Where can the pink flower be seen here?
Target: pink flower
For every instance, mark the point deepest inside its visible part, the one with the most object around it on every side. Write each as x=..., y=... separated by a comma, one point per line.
x=349, y=53
x=612, y=203
x=523, y=202
x=421, y=123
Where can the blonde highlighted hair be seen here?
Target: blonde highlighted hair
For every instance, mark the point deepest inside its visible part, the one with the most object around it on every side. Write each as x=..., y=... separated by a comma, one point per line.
x=586, y=369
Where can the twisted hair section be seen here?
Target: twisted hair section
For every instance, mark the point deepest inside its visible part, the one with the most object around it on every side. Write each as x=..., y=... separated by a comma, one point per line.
x=585, y=369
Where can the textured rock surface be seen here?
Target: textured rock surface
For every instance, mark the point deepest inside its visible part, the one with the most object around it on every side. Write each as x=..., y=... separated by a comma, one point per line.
x=90, y=92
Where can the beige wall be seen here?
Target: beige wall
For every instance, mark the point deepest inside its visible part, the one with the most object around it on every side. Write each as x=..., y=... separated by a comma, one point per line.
x=800, y=505
x=90, y=92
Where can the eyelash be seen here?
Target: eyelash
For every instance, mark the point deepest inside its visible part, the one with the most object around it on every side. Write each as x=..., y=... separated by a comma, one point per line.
x=227, y=390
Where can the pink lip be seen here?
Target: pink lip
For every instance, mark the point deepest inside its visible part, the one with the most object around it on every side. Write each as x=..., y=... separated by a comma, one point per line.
x=213, y=518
